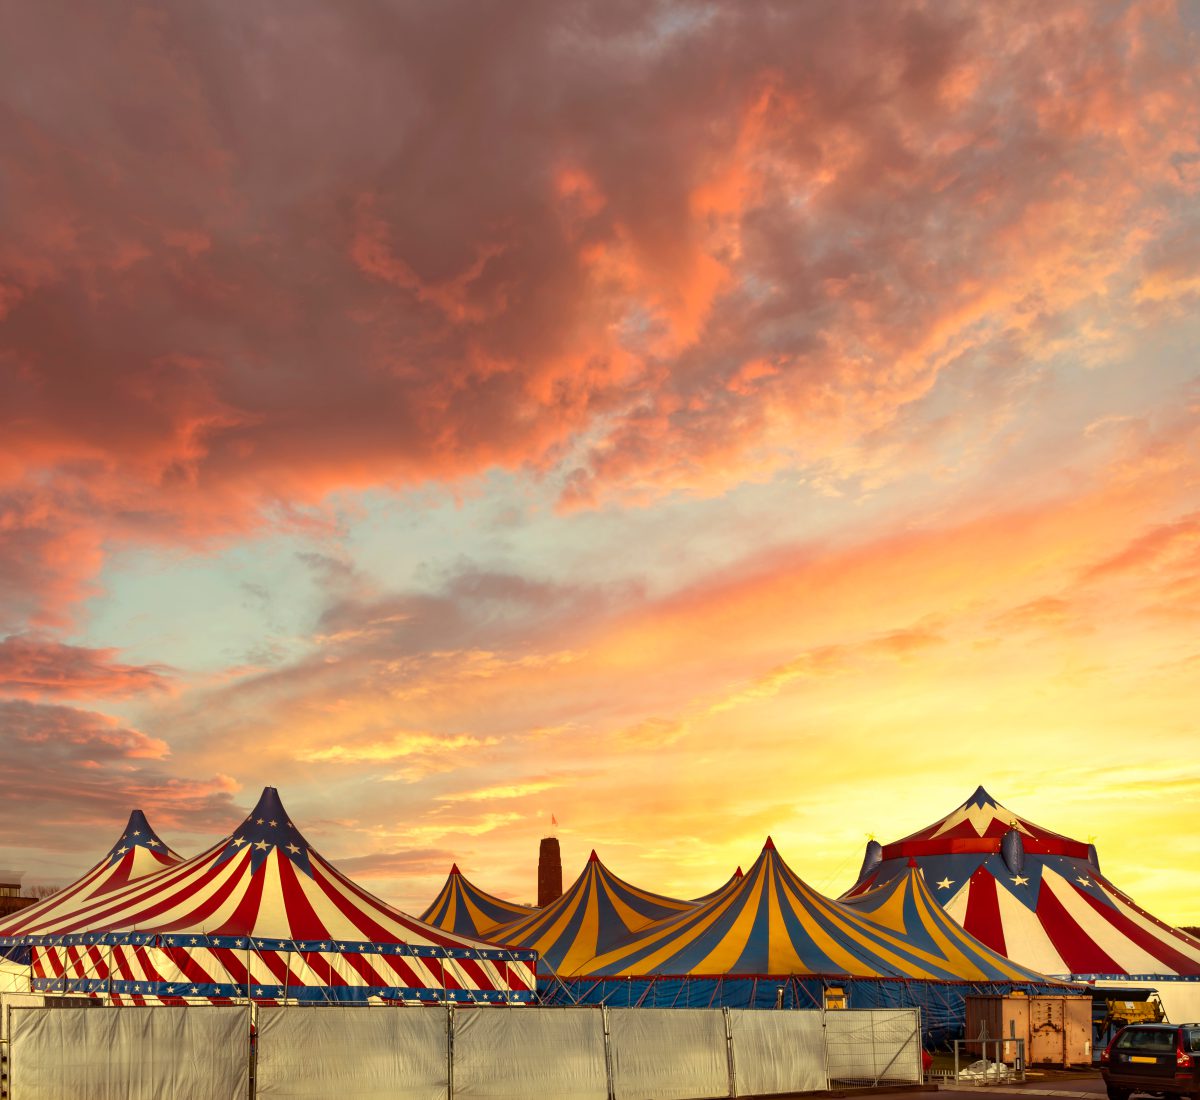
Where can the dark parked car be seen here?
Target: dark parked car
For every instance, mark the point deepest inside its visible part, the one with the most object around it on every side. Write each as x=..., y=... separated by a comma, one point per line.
x=1160, y=1058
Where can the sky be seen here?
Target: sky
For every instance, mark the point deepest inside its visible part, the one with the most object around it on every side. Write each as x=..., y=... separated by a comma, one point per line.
x=694, y=421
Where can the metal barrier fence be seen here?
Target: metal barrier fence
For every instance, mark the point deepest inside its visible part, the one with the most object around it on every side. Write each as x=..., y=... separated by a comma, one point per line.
x=989, y=1061
x=250, y=1052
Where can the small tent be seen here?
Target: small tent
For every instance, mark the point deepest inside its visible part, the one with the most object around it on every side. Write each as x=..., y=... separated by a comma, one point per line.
x=464, y=909
x=597, y=911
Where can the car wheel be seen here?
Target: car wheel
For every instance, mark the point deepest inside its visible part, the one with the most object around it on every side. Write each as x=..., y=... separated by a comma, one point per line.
x=1115, y=1093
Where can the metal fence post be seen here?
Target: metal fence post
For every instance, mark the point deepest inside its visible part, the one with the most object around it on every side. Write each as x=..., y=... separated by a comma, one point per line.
x=449, y=1050
x=729, y=1056
x=608, y=1058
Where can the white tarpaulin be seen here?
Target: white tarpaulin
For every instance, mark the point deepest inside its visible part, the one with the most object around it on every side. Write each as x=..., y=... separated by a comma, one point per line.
x=555, y=1052
x=16, y=1000
x=777, y=1051
x=873, y=1045
x=129, y=1053
x=323, y=1051
x=664, y=1053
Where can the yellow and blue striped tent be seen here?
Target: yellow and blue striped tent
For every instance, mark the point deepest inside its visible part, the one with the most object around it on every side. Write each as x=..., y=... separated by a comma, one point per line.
x=771, y=923
x=598, y=911
x=462, y=908
x=905, y=906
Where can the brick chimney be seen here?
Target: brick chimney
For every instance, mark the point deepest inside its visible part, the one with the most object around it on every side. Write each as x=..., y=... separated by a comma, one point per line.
x=549, y=872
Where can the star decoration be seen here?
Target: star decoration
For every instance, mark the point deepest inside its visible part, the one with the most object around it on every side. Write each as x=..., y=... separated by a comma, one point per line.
x=1020, y=880
x=195, y=990
x=238, y=943
x=258, y=821
x=238, y=842
x=293, y=849
x=137, y=832
x=945, y=884
x=1083, y=880
x=152, y=843
x=122, y=851
x=194, y=941
x=272, y=823
x=261, y=845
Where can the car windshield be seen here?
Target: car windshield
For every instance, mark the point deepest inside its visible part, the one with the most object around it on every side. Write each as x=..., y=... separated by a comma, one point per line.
x=1158, y=1041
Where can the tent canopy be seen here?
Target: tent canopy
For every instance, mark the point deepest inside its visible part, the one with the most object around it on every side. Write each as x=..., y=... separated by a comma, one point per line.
x=596, y=912
x=1032, y=895
x=462, y=908
x=137, y=853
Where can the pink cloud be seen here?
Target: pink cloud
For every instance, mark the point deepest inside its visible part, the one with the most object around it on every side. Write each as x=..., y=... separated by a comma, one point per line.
x=804, y=219
x=71, y=769
x=34, y=666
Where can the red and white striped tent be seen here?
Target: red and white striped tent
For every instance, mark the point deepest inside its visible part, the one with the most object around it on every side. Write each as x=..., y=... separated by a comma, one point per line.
x=262, y=915
x=1040, y=899
x=138, y=852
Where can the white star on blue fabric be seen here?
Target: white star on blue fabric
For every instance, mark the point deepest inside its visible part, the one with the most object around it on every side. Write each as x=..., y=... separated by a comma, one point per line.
x=945, y=884
x=1020, y=880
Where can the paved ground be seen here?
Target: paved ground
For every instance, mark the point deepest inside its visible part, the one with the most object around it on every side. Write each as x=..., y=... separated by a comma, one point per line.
x=1080, y=1085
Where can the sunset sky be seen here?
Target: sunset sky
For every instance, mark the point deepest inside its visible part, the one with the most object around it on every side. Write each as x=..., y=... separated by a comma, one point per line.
x=695, y=421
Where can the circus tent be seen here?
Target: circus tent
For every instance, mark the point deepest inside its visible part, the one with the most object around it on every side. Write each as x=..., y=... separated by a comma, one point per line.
x=770, y=922
x=1040, y=899
x=464, y=909
x=596, y=912
x=262, y=915
x=139, y=851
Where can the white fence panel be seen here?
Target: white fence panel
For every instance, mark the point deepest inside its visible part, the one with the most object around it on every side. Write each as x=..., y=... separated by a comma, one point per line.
x=873, y=1046
x=666, y=1053
x=130, y=1053
x=501, y=1054
x=777, y=1051
x=366, y=1053
x=10, y=1001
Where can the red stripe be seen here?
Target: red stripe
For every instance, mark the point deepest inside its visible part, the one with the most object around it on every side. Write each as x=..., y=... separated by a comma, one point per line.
x=473, y=969
x=983, y=911
x=948, y=845
x=320, y=966
x=423, y=932
x=1078, y=950
x=189, y=966
x=197, y=916
x=301, y=916
x=1146, y=940
x=358, y=918
x=231, y=959
x=361, y=964
x=409, y=977
x=120, y=910
x=242, y=920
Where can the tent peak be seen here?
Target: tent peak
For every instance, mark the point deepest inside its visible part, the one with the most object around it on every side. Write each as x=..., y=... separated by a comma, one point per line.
x=769, y=846
x=454, y=869
x=593, y=858
x=739, y=873
x=138, y=833
x=980, y=798
x=912, y=861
